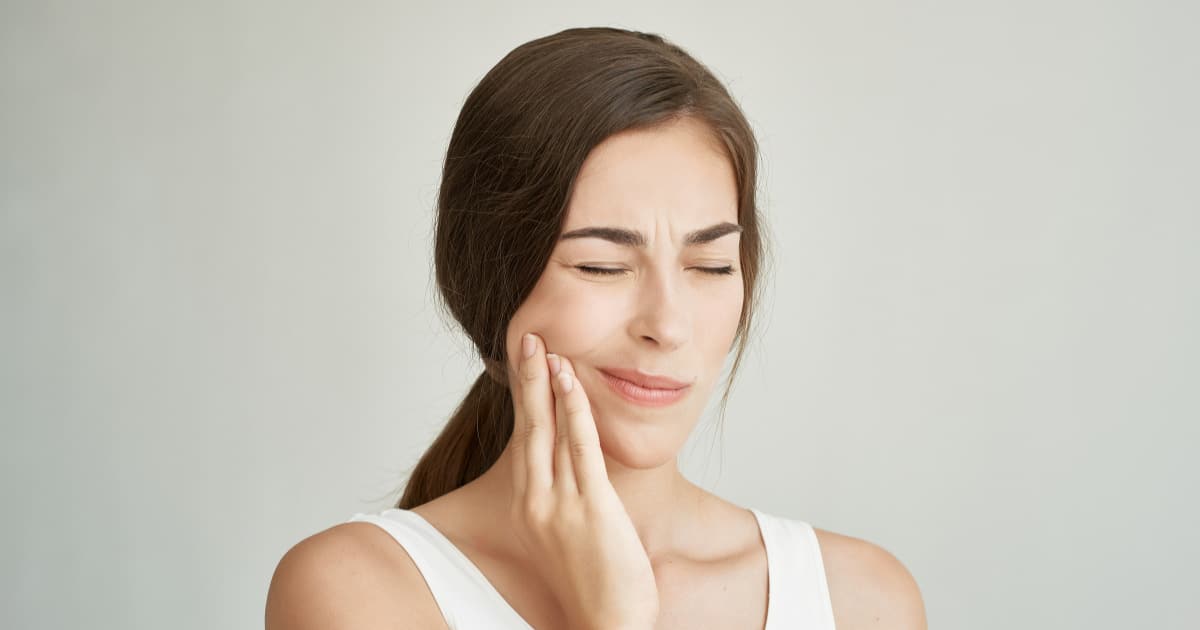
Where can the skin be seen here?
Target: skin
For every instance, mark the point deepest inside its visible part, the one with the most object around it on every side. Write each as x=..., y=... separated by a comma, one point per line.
x=663, y=315
x=575, y=531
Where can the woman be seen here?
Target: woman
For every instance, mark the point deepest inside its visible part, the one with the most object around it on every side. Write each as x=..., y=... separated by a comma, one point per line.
x=598, y=241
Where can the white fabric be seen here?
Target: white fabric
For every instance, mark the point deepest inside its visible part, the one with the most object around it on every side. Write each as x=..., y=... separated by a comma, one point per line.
x=797, y=598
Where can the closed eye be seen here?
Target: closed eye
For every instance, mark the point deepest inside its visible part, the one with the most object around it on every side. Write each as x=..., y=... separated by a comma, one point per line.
x=607, y=271
x=599, y=271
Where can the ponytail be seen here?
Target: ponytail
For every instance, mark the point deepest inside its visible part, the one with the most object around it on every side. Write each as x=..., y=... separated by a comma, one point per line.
x=470, y=443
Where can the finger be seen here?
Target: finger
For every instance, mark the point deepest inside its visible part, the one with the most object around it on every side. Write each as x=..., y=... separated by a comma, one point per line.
x=517, y=445
x=537, y=418
x=564, y=471
x=587, y=460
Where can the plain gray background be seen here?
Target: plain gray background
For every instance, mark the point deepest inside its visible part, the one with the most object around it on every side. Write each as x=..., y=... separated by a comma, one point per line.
x=979, y=348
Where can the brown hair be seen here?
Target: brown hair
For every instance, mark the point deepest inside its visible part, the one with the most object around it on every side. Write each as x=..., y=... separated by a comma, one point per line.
x=519, y=142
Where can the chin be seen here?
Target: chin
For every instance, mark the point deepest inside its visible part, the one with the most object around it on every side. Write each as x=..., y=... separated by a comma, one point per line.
x=630, y=439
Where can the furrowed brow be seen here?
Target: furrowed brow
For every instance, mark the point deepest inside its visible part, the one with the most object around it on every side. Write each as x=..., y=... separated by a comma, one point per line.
x=711, y=233
x=632, y=238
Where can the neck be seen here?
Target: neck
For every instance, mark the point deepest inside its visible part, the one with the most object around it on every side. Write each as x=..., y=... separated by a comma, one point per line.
x=663, y=505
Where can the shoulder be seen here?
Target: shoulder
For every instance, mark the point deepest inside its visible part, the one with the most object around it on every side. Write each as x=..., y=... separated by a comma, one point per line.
x=868, y=586
x=352, y=575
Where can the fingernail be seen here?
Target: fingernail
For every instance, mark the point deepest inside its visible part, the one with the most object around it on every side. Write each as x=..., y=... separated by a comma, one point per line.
x=555, y=364
x=565, y=380
x=528, y=345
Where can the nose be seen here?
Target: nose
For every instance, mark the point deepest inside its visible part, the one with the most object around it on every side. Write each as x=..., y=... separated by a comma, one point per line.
x=664, y=314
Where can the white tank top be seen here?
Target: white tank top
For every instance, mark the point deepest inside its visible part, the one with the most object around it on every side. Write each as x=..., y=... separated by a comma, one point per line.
x=797, y=594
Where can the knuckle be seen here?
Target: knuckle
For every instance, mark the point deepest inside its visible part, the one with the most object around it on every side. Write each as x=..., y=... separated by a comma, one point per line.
x=530, y=372
x=582, y=449
x=537, y=510
x=530, y=429
x=573, y=405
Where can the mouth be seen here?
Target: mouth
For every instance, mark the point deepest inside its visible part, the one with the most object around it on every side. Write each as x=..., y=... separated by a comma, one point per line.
x=645, y=389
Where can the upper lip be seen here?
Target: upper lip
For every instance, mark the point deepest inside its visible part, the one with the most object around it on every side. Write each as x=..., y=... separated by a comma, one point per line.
x=652, y=381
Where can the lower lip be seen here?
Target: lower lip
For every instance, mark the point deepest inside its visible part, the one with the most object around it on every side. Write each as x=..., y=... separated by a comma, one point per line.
x=643, y=395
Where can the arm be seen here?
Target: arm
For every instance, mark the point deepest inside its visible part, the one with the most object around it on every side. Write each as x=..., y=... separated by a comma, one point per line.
x=870, y=589
x=342, y=578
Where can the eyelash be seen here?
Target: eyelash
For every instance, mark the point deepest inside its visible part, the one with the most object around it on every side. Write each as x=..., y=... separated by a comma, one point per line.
x=603, y=271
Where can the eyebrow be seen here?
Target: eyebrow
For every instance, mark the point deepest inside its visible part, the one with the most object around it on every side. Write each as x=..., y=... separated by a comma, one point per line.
x=632, y=238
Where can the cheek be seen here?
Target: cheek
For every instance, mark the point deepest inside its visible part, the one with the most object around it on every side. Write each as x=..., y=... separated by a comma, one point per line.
x=723, y=317
x=570, y=318
x=576, y=321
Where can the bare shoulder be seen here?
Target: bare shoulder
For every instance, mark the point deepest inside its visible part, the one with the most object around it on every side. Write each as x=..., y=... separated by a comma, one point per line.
x=352, y=575
x=868, y=586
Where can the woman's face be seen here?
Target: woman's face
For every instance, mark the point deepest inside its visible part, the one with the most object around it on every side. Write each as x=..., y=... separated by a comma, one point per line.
x=665, y=309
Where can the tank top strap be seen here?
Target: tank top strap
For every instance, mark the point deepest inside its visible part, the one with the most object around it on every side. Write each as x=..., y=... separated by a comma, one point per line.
x=465, y=596
x=798, y=594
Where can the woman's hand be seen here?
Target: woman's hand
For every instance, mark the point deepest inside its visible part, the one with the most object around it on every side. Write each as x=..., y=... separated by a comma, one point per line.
x=565, y=510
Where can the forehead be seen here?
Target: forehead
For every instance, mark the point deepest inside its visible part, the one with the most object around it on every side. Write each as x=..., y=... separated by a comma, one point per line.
x=677, y=171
